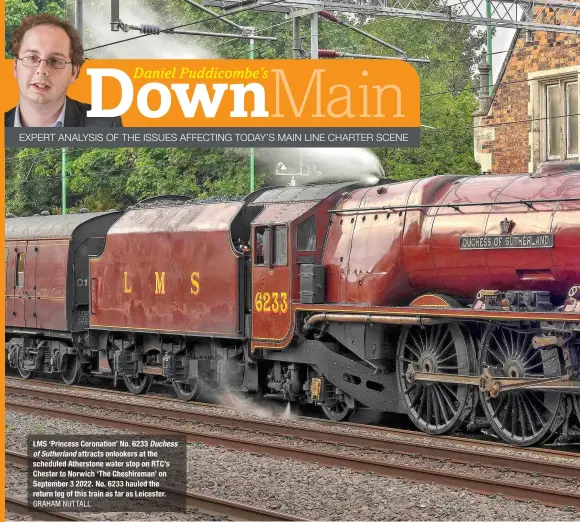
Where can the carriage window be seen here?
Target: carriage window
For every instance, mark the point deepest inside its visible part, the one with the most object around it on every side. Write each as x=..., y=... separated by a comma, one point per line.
x=20, y=270
x=268, y=253
x=306, y=234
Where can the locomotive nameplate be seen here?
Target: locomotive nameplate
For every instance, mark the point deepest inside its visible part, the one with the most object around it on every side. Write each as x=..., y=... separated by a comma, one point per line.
x=506, y=241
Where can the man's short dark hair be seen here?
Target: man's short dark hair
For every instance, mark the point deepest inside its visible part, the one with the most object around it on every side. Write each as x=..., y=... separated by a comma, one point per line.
x=28, y=22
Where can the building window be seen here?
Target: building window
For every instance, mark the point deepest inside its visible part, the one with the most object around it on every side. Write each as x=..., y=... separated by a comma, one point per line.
x=19, y=270
x=572, y=119
x=553, y=120
x=562, y=120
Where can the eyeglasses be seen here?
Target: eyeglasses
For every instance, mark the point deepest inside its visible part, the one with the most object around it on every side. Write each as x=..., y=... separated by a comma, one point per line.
x=35, y=61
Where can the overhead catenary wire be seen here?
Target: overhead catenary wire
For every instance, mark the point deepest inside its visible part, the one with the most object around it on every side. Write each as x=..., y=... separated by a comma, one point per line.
x=501, y=123
x=208, y=19
x=260, y=29
x=473, y=88
x=209, y=11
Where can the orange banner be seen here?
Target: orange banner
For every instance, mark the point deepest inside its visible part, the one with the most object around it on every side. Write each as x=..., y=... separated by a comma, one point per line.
x=245, y=93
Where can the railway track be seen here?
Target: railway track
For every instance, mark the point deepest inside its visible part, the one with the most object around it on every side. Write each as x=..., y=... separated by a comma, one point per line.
x=204, y=503
x=174, y=403
x=479, y=484
x=471, y=453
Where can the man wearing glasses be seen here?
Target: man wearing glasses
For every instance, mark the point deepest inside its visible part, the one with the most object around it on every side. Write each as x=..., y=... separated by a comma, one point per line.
x=48, y=54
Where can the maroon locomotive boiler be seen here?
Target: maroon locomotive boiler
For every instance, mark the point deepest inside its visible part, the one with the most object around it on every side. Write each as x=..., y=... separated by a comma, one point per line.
x=447, y=298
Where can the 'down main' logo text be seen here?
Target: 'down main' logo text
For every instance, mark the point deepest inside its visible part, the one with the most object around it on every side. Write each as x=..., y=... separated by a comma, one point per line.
x=277, y=97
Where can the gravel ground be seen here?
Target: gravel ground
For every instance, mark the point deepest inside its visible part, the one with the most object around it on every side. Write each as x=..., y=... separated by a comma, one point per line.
x=500, y=474
x=278, y=414
x=311, y=491
x=9, y=515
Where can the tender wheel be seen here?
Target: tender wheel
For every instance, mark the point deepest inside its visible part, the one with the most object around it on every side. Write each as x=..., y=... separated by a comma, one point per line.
x=139, y=383
x=338, y=406
x=188, y=392
x=26, y=374
x=72, y=371
x=435, y=407
x=520, y=417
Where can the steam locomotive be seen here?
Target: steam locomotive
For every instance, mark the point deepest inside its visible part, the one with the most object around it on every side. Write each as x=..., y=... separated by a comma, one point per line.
x=448, y=298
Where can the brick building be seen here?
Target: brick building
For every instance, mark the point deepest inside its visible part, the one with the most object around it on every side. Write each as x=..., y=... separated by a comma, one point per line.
x=539, y=81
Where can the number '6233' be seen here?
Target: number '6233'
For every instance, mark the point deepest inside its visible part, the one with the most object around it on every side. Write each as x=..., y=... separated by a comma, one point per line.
x=271, y=302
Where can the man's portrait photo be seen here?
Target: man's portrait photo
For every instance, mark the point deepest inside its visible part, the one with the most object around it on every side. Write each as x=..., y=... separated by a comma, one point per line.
x=48, y=55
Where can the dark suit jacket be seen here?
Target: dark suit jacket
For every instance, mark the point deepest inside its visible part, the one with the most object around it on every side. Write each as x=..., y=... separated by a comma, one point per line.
x=75, y=115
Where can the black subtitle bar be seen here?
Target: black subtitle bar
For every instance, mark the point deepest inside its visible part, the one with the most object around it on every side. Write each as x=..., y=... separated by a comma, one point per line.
x=211, y=137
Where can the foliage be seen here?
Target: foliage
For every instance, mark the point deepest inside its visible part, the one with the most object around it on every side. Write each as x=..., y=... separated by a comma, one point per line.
x=16, y=10
x=100, y=179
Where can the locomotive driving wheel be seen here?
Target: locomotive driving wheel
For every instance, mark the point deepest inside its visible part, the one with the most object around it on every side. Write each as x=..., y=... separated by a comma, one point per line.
x=435, y=407
x=188, y=391
x=139, y=383
x=520, y=417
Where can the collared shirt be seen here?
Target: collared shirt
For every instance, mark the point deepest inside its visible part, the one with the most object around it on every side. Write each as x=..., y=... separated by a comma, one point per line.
x=58, y=123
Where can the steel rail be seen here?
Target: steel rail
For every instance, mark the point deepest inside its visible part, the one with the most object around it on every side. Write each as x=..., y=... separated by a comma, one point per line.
x=465, y=455
x=476, y=484
x=23, y=508
x=207, y=504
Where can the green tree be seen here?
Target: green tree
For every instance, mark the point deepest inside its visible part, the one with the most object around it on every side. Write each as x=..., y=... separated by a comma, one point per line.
x=16, y=10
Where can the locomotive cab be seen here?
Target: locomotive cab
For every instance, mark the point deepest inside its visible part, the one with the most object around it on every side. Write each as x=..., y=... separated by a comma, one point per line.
x=287, y=235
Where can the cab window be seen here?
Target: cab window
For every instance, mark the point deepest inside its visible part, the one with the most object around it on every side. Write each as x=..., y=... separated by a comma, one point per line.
x=306, y=235
x=19, y=270
x=280, y=245
x=271, y=252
